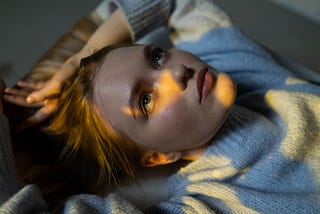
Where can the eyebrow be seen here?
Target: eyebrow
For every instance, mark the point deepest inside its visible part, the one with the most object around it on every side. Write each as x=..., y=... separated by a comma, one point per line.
x=134, y=97
x=136, y=88
x=147, y=50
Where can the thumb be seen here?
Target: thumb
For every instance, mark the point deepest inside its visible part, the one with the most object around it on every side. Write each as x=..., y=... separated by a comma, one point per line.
x=36, y=97
x=51, y=90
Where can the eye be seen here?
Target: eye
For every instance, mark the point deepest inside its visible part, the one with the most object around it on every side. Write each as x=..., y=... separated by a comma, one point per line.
x=145, y=103
x=158, y=57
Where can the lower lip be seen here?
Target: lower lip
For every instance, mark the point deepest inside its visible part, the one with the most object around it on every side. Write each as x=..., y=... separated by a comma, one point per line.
x=207, y=85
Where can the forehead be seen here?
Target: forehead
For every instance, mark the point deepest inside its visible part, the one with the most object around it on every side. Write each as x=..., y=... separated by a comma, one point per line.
x=122, y=61
x=121, y=53
x=115, y=79
x=121, y=65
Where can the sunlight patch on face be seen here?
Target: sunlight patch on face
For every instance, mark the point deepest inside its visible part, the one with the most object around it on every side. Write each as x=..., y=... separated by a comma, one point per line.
x=167, y=90
x=225, y=90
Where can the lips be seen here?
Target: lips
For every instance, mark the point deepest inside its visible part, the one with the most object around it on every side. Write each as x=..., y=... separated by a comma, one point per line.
x=204, y=83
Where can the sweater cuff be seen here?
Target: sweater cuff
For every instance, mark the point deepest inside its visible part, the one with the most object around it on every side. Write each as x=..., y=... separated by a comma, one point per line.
x=143, y=16
x=105, y=9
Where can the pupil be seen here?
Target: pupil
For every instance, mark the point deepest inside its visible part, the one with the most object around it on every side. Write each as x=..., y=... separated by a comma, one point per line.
x=146, y=99
x=159, y=56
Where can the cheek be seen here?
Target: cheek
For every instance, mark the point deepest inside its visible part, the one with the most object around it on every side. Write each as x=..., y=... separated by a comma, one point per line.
x=173, y=122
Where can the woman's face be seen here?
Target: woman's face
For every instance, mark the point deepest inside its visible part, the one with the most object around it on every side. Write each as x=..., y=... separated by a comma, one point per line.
x=163, y=100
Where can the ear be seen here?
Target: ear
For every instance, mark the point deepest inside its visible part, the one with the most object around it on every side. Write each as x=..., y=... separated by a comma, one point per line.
x=150, y=159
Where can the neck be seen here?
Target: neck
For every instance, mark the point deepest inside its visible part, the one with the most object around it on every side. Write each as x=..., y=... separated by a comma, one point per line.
x=195, y=153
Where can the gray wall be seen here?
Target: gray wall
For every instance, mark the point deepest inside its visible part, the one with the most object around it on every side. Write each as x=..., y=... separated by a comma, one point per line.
x=29, y=28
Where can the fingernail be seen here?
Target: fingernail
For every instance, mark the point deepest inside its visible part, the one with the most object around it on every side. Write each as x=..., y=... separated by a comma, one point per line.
x=29, y=100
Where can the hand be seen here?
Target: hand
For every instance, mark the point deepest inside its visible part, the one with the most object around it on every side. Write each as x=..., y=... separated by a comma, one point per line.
x=52, y=88
x=42, y=95
x=44, y=108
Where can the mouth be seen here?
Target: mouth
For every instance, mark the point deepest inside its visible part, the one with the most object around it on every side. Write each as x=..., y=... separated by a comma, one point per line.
x=204, y=83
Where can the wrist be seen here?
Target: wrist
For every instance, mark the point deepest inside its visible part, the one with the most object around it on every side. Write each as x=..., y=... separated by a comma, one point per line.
x=68, y=69
x=114, y=30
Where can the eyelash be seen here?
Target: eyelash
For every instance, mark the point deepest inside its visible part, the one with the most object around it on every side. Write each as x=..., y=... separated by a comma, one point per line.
x=155, y=53
x=143, y=106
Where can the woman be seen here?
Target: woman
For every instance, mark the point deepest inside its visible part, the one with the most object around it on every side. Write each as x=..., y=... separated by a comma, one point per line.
x=259, y=155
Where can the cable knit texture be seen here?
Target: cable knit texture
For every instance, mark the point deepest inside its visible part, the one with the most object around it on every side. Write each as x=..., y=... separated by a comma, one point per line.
x=145, y=15
x=266, y=157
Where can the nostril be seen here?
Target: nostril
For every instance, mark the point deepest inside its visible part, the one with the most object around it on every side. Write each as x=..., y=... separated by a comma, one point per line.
x=188, y=74
x=184, y=81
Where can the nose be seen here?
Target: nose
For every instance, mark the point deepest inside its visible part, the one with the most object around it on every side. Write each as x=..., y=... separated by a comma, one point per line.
x=181, y=74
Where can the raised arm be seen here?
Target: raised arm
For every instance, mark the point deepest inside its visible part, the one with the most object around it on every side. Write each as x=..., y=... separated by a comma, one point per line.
x=113, y=30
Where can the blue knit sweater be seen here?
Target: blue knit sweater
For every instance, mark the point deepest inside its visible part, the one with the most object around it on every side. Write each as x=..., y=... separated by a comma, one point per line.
x=266, y=157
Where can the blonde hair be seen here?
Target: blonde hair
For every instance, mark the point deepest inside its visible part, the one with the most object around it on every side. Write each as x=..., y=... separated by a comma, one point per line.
x=91, y=155
x=85, y=130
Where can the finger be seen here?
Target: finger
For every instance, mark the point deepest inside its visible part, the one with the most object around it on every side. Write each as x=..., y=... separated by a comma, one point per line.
x=31, y=85
x=21, y=101
x=34, y=120
x=50, y=105
x=51, y=90
x=16, y=92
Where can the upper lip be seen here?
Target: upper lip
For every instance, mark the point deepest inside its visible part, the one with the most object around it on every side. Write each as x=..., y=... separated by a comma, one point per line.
x=200, y=81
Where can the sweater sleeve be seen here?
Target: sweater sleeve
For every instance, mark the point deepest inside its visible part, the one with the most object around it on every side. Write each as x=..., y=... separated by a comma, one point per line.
x=12, y=198
x=143, y=16
x=186, y=19
x=8, y=181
